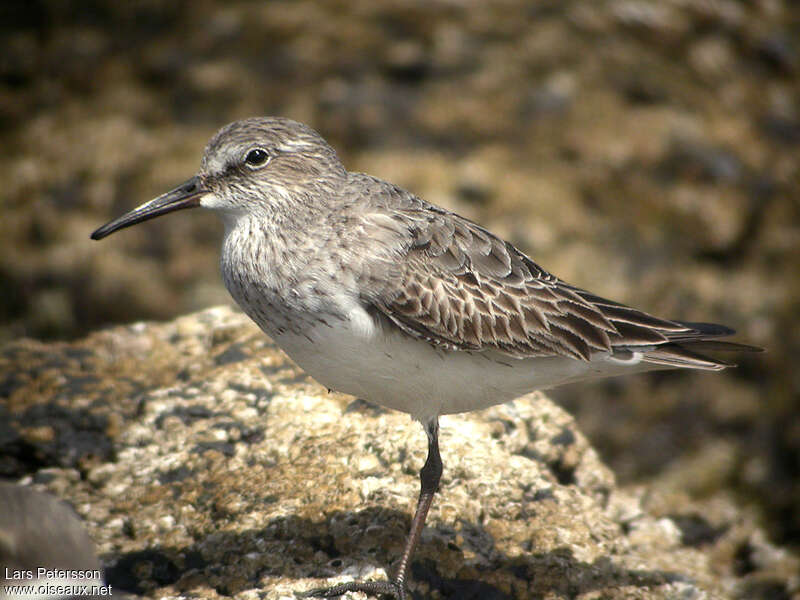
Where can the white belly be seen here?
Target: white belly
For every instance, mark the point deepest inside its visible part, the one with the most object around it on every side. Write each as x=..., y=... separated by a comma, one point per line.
x=388, y=367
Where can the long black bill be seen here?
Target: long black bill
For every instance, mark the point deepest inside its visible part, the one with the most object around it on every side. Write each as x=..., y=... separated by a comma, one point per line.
x=186, y=195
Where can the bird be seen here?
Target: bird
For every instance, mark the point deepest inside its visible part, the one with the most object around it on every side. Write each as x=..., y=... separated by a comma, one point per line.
x=377, y=293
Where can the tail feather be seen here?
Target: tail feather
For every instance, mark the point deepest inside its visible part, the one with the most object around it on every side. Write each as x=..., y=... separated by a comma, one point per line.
x=720, y=346
x=677, y=356
x=666, y=343
x=684, y=349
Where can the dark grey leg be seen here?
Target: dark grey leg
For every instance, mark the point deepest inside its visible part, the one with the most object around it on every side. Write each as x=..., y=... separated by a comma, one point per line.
x=429, y=478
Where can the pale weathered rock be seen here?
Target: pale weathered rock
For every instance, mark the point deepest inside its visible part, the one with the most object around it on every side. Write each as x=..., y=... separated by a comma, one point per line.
x=206, y=464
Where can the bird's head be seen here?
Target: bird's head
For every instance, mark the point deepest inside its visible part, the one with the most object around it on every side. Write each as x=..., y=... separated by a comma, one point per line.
x=253, y=166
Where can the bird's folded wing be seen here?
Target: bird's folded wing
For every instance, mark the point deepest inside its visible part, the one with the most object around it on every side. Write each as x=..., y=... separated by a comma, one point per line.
x=461, y=288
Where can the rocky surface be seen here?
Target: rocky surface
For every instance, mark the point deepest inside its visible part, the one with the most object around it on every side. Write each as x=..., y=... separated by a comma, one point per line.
x=205, y=464
x=646, y=150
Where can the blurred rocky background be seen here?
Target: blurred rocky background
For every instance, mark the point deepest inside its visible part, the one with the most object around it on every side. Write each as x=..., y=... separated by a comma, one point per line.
x=648, y=151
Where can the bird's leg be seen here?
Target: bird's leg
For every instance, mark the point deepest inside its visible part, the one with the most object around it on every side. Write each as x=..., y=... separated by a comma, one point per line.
x=429, y=477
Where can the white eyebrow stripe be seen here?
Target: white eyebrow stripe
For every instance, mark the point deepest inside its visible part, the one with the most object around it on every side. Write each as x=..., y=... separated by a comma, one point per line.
x=292, y=145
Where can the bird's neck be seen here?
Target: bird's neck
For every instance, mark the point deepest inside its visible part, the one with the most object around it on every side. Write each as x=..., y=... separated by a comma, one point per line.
x=260, y=250
x=269, y=270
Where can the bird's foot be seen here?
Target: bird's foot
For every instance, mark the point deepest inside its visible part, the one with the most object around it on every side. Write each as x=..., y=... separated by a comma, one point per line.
x=377, y=589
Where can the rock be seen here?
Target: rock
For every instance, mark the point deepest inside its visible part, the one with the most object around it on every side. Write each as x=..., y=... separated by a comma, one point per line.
x=44, y=544
x=232, y=473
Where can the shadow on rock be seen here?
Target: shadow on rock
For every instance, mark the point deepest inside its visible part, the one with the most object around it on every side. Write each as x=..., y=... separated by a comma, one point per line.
x=299, y=548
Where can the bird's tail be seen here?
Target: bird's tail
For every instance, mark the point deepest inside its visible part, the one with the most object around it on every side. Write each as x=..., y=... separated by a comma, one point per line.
x=686, y=349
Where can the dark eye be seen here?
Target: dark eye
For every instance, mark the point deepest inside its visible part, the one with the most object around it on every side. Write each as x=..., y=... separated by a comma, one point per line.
x=257, y=157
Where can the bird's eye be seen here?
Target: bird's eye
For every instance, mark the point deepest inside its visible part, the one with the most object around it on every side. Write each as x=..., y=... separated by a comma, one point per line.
x=257, y=157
